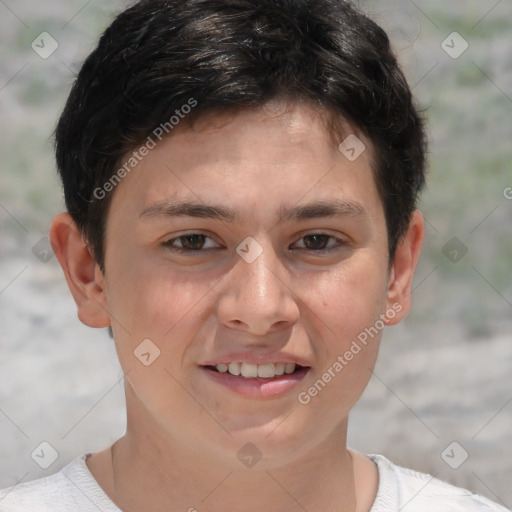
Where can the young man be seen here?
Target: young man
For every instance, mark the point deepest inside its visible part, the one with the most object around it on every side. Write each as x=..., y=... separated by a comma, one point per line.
x=241, y=181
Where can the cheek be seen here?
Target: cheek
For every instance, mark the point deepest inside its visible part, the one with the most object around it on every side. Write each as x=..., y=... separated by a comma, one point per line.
x=348, y=311
x=350, y=299
x=157, y=312
x=158, y=303
x=149, y=295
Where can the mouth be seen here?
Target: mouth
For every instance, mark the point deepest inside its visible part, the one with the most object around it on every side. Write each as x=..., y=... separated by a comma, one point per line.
x=257, y=380
x=251, y=371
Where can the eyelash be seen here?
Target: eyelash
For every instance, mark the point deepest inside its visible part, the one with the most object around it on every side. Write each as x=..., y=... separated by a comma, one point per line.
x=168, y=244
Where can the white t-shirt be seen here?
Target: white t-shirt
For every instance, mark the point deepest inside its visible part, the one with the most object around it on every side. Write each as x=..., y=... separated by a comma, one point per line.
x=74, y=489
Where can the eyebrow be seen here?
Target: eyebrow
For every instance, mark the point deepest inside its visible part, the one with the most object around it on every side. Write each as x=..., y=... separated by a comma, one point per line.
x=317, y=209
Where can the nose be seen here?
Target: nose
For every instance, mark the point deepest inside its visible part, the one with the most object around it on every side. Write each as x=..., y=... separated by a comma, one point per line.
x=258, y=297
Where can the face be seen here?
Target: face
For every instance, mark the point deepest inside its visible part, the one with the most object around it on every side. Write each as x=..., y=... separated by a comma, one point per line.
x=279, y=257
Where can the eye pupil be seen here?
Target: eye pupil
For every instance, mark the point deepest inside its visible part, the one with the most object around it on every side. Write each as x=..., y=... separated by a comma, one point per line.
x=323, y=239
x=196, y=241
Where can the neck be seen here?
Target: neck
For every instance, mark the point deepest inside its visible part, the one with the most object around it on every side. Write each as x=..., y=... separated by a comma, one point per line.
x=149, y=469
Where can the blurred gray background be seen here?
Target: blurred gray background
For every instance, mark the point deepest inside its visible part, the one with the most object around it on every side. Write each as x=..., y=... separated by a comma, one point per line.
x=444, y=375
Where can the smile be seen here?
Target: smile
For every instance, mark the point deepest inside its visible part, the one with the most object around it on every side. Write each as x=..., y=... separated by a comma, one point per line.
x=248, y=370
x=268, y=380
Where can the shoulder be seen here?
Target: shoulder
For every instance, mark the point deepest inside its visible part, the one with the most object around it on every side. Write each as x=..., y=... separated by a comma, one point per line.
x=401, y=488
x=72, y=488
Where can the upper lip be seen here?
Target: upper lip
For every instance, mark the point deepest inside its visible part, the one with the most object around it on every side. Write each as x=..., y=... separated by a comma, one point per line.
x=251, y=358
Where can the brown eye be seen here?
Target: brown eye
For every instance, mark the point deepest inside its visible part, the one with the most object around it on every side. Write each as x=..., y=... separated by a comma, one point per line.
x=316, y=242
x=189, y=243
x=192, y=242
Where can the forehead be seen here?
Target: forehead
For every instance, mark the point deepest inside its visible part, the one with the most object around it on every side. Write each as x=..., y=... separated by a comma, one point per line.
x=294, y=122
x=251, y=159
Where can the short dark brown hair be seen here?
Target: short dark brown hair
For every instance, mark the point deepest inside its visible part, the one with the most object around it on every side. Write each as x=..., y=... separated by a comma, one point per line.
x=228, y=55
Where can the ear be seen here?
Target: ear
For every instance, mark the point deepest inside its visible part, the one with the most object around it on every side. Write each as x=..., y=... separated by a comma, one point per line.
x=402, y=270
x=82, y=273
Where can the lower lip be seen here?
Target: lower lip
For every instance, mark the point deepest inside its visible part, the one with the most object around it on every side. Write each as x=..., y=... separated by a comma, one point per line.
x=255, y=387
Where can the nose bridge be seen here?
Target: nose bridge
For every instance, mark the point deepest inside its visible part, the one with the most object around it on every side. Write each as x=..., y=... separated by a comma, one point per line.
x=257, y=293
x=260, y=274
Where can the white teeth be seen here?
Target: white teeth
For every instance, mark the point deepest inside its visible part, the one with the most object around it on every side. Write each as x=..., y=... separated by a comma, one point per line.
x=248, y=370
x=266, y=370
x=289, y=368
x=234, y=368
x=279, y=368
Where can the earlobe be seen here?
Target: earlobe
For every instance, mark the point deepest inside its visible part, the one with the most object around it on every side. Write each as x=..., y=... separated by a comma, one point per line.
x=84, y=279
x=403, y=267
